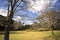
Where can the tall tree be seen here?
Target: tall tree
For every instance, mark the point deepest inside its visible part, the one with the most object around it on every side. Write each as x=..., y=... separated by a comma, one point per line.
x=51, y=15
x=12, y=6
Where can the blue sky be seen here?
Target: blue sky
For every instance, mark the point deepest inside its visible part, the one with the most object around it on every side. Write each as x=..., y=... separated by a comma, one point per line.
x=29, y=15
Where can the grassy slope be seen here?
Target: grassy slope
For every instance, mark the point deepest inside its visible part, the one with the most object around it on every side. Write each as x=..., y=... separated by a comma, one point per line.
x=18, y=35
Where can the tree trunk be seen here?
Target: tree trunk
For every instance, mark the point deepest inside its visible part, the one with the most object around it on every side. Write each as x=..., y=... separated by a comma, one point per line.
x=9, y=23
x=52, y=32
x=52, y=27
x=10, y=16
x=7, y=30
x=7, y=27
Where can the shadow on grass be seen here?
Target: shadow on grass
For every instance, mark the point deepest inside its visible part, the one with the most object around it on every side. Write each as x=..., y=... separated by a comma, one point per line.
x=51, y=38
x=12, y=32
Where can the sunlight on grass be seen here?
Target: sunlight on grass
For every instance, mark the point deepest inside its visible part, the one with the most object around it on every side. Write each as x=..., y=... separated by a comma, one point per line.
x=28, y=36
x=24, y=35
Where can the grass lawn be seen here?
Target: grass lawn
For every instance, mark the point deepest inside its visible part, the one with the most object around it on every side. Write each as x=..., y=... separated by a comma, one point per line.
x=24, y=35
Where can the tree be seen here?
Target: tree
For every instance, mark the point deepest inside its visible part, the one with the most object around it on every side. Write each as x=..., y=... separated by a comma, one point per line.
x=44, y=22
x=57, y=20
x=52, y=17
x=49, y=19
x=12, y=6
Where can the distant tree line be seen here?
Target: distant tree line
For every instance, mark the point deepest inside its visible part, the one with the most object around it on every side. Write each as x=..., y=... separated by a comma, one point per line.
x=48, y=20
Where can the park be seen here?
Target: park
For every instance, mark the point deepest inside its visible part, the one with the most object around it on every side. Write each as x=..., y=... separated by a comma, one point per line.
x=29, y=19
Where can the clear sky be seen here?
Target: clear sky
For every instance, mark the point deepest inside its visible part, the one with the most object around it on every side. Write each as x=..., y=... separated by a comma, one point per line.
x=30, y=15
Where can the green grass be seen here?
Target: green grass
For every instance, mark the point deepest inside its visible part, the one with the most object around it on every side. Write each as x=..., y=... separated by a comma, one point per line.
x=24, y=35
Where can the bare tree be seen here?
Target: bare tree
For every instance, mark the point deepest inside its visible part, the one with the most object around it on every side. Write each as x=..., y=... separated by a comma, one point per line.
x=51, y=15
x=12, y=6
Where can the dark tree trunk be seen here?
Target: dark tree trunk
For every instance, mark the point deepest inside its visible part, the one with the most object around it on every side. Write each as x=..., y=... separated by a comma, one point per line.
x=7, y=27
x=9, y=23
x=52, y=27
x=11, y=4
x=7, y=30
x=52, y=32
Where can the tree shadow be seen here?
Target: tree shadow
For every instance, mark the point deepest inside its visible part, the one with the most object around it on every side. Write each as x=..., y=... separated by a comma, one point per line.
x=51, y=38
x=12, y=32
